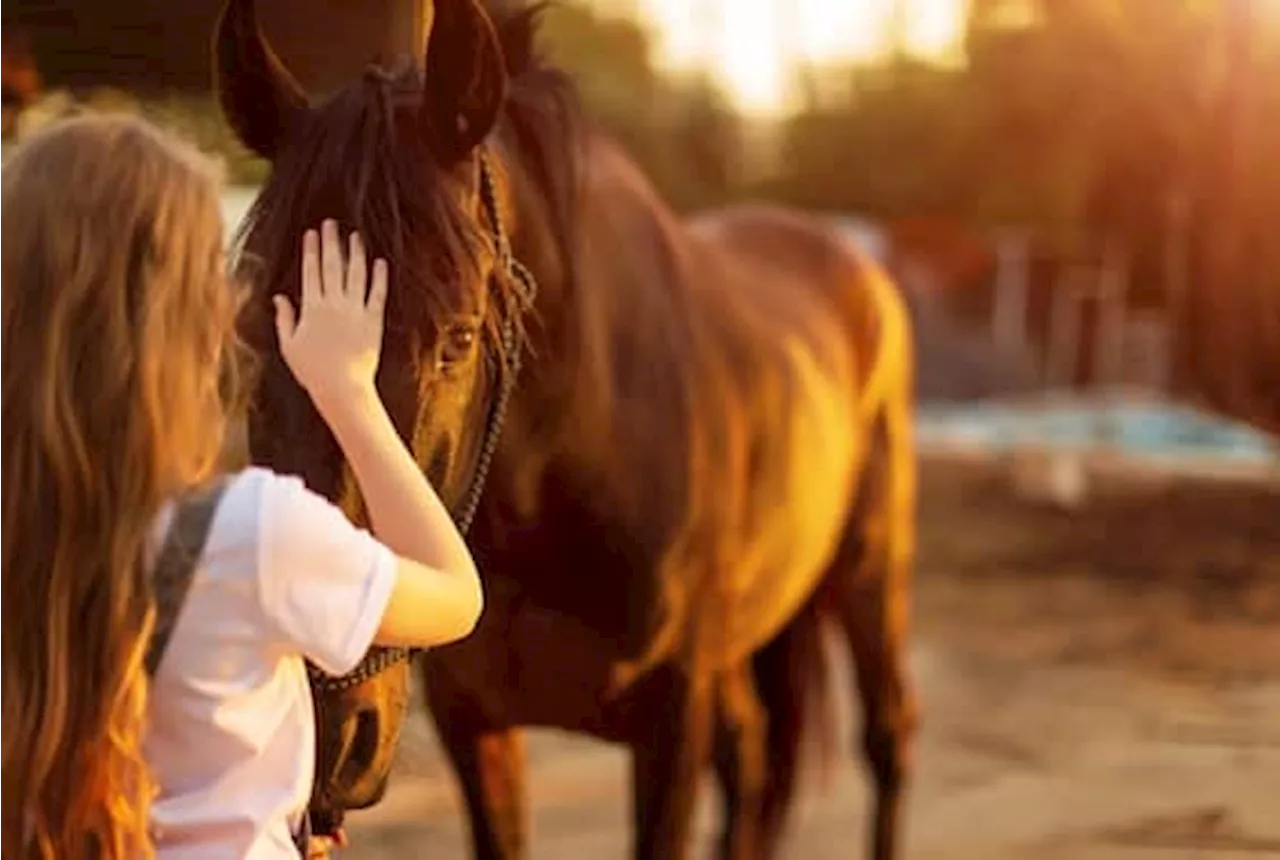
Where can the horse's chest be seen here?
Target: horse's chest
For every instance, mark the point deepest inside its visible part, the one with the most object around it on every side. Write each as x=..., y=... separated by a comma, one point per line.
x=530, y=664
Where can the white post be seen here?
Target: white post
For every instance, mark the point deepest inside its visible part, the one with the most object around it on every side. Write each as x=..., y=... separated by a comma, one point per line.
x=1149, y=334
x=1109, y=346
x=1013, y=281
x=1113, y=282
x=1064, y=327
x=1177, y=287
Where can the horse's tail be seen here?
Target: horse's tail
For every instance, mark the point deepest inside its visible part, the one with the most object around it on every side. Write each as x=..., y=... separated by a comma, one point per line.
x=793, y=673
x=793, y=682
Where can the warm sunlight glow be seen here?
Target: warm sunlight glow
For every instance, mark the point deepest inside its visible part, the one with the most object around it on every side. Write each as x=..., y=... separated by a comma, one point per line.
x=754, y=47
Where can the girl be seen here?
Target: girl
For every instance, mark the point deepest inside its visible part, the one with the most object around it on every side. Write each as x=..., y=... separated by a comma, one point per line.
x=117, y=330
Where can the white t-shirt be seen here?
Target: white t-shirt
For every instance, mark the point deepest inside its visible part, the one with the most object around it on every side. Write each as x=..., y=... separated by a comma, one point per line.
x=231, y=735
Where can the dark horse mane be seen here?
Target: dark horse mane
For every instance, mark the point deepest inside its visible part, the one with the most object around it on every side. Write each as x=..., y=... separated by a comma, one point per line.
x=629, y=335
x=543, y=111
x=632, y=336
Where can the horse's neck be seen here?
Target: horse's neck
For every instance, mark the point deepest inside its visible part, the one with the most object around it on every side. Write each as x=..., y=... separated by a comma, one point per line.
x=614, y=392
x=612, y=450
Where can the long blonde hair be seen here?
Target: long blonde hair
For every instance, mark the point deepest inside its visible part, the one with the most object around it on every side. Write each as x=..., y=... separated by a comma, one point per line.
x=117, y=319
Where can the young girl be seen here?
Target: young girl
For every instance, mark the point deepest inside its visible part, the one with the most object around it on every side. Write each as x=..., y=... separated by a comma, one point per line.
x=117, y=331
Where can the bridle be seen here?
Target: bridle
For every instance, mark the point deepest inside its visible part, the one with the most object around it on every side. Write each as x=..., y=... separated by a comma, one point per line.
x=506, y=365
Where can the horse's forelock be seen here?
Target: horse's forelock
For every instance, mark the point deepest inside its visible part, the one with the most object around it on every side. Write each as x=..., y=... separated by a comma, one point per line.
x=358, y=159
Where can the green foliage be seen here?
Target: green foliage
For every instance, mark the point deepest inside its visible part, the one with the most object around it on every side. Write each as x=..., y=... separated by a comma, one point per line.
x=192, y=116
x=199, y=119
x=682, y=132
x=611, y=56
x=893, y=150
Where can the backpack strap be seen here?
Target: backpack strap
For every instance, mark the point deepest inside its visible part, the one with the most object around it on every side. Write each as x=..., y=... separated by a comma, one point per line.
x=176, y=564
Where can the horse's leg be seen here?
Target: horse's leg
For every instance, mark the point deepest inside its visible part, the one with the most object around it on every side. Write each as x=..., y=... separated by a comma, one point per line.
x=871, y=583
x=489, y=764
x=740, y=762
x=670, y=748
x=788, y=678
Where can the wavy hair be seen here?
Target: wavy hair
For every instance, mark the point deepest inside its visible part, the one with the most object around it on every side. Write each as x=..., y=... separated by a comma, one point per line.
x=117, y=323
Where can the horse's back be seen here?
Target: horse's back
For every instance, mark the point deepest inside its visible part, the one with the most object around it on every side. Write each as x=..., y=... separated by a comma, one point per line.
x=791, y=264
x=811, y=333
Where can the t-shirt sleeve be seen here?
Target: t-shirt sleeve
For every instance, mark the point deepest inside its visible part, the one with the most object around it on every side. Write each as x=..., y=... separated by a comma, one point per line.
x=324, y=582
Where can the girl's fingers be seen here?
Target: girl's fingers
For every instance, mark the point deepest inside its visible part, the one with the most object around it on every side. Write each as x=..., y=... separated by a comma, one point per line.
x=357, y=273
x=311, y=289
x=378, y=289
x=330, y=258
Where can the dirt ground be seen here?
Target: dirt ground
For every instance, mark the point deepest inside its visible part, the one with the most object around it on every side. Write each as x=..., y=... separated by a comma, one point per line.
x=1099, y=684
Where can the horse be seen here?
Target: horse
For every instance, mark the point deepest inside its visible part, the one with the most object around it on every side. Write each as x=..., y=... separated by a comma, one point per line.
x=706, y=463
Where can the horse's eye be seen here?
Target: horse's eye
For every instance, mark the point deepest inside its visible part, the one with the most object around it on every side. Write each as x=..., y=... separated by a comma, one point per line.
x=456, y=345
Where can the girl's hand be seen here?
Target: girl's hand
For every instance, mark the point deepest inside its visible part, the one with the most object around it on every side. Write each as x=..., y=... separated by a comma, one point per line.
x=321, y=847
x=332, y=346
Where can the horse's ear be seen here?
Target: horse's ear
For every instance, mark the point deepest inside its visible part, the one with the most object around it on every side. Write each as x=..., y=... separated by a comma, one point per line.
x=465, y=79
x=258, y=96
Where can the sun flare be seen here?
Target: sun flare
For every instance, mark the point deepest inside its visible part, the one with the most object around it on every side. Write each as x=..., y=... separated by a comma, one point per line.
x=754, y=47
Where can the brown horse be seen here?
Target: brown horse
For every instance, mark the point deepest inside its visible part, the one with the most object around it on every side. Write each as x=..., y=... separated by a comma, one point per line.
x=399, y=163
x=707, y=459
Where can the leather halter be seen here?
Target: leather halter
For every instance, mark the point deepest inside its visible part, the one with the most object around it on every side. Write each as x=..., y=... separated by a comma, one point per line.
x=507, y=365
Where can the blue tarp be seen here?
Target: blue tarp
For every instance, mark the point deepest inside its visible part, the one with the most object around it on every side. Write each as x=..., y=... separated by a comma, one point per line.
x=1140, y=427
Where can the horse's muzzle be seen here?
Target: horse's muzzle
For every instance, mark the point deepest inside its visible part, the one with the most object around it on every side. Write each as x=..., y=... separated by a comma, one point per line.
x=357, y=735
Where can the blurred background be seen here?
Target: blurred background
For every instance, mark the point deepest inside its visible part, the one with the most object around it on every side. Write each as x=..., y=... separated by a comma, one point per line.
x=1088, y=186
x=1073, y=192
x=1081, y=201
